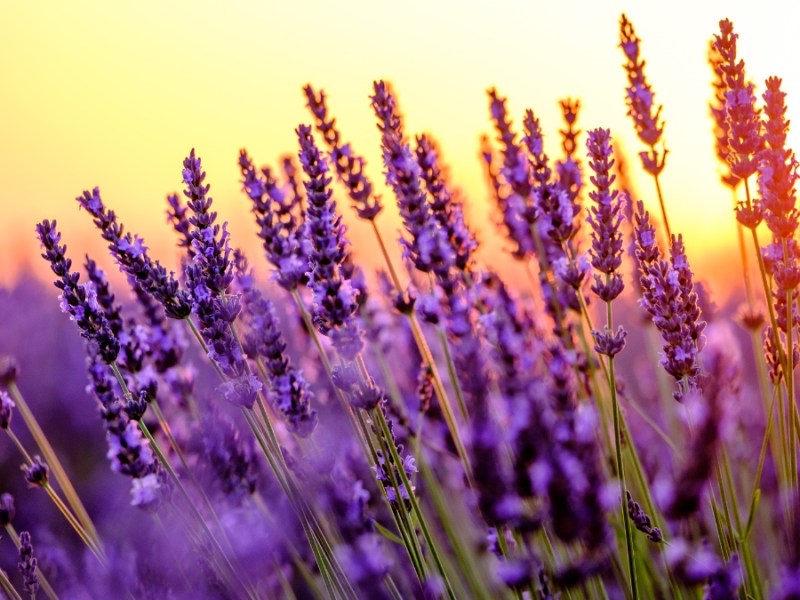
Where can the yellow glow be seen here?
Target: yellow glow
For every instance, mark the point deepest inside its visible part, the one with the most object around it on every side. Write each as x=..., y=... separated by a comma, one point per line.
x=115, y=94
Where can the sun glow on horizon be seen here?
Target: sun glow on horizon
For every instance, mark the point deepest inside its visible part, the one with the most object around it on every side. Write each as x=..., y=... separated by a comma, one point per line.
x=115, y=95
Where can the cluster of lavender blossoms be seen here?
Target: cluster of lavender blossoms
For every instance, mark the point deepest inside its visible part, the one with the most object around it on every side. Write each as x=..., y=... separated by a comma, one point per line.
x=281, y=428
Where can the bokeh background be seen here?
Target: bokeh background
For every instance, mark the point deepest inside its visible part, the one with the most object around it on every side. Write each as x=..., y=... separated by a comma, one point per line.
x=115, y=94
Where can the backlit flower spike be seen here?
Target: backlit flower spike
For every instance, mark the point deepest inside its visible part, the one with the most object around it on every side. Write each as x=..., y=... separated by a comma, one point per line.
x=777, y=167
x=641, y=100
x=28, y=564
x=349, y=167
x=605, y=219
x=79, y=301
x=282, y=237
x=720, y=116
x=208, y=277
x=335, y=298
x=212, y=262
x=131, y=255
x=555, y=211
x=519, y=207
x=446, y=207
x=744, y=125
x=177, y=216
x=568, y=169
x=384, y=104
x=427, y=245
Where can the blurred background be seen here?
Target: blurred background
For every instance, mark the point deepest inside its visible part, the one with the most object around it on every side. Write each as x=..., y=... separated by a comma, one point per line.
x=116, y=94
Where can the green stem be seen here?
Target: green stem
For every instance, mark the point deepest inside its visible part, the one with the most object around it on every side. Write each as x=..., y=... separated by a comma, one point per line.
x=621, y=473
x=378, y=417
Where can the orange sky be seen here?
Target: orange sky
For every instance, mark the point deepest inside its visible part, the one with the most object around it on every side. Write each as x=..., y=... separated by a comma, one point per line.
x=115, y=94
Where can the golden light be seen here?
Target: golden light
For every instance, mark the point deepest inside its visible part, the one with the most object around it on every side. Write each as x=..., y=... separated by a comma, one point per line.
x=115, y=95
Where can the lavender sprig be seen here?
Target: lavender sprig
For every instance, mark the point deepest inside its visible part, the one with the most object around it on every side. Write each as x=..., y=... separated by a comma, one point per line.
x=288, y=390
x=428, y=247
x=640, y=100
x=520, y=212
x=28, y=564
x=446, y=209
x=669, y=297
x=348, y=166
x=132, y=257
x=283, y=238
x=335, y=299
x=208, y=277
x=78, y=301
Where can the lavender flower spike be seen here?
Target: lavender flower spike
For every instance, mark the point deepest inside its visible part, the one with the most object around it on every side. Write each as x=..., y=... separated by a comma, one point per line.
x=131, y=255
x=27, y=564
x=640, y=100
x=334, y=296
x=78, y=301
x=349, y=167
x=284, y=244
x=744, y=128
x=289, y=391
x=605, y=217
x=606, y=252
x=207, y=277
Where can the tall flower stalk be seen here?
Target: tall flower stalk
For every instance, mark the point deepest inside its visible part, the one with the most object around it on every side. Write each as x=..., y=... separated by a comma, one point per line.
x=647, y=120
x=606, y=257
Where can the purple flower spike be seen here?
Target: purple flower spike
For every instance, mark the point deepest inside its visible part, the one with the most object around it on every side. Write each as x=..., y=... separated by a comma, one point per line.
x=349, y=167
x=335, y=299
x=27, y=564
x=777, y=167
x=428, y=247
x=641, y=520
x=208, y=277
x=519, y=209
x=283, y=237
x=641, y=100
x=78, y=301
x=744, y=127
x=211, y=266
x=131, y=255
x=446, y=209
x=719, y=114
x=668, y=295
x=605, y=217
x=289, y=392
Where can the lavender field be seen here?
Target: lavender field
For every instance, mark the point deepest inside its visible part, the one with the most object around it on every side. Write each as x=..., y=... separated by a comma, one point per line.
x=580, y=420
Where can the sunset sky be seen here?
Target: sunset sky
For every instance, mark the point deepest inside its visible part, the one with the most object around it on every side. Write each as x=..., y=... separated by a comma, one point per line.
x=115, y=94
